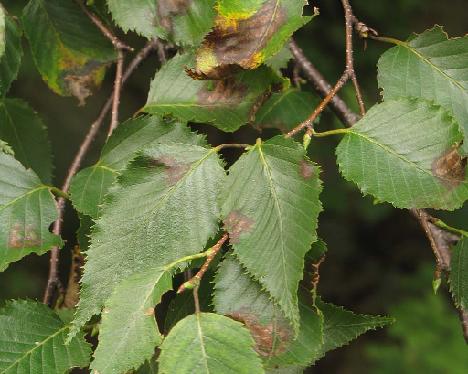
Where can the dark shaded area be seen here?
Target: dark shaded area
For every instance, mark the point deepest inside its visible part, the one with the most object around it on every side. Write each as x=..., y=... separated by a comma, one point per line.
x=376, y=252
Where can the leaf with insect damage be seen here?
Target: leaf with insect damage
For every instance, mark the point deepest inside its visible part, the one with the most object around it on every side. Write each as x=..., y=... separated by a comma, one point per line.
x=406, y=152
x=246, y=34
x=32, y=338
x=459, y=274
x=128, y=334
x=185, y=22
x=270, y=206
x=10, y=58
x=227, y=104
x=209, y=343
x=240, y=297
x=27, y=208
x=23, y=129
x=431, y=66
x=163, y=207
x=69, y=51
x=90, y=185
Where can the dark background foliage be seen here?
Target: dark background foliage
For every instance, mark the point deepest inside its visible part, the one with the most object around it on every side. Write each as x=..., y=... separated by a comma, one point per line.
x=379, y=261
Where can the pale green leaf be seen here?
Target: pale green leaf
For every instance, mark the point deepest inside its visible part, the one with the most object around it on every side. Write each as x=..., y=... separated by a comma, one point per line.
x=11, y=60
x=405, y=152
x=270, y=209
x=430, y=66
x=247, y=33
x=342, y=326
x=184, y=21
x=69, y=51
x=27, y=208
x=32, y=340
x=90, y=185
x=22, y=128
x=164, y=207
x=128, y=333
x=459, y=274
x=286, y=110
x=226, y=104
x=280, y=60
x=209, y=343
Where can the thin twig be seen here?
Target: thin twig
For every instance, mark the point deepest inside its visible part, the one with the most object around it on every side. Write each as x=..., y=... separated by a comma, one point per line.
x=116, y=42
x=195, y=281
x=349, y=73
x=53, y=277
x=116, y=93
x=196, y=300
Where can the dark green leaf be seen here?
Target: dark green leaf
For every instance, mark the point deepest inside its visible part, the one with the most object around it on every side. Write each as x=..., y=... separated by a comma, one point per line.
x=459, y=274
x=209, y=343
x=405, y=152
x=10, y=60
x=430, y=66
x=27, y=208
x=32, y=340
x=24, y=131
x=270, y=209
x=227, y=104
x=70, y=52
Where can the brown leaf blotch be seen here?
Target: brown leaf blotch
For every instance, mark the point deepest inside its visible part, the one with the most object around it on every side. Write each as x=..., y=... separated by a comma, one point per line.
x=235, y=224
x=174, y=169
x=307, y=170
x=23, y=236
x=225, y=92
x=271, y=339
x=167, y=9
x=450, y=168
x=149, y=312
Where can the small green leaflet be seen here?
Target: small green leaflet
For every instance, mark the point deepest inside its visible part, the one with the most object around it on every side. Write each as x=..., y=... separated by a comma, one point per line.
x=69, y=51
x=430, y=66
x=91, y=184
x=22, y=128
x=10, y=61
x=183, y=21
x=32, y=340
x=27, y=208
x=209, y=343
x=246, y=34
x=405, y=152
x=459, y=274
x=227, y=104
x=270, y=206
x=163, y=207
x=128, y=333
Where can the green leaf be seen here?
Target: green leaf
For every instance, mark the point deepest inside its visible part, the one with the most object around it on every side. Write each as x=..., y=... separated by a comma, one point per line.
x=27, y=208
x=286, y=110
x=184, y=21
x=164, y=207
x=90, y=185
x=22, y=128
x=405, y=152
x=459, y=274
x=242, y=298
x=342, y=326
x=128, y=333
x=69, y=51
x=2, y=30
x=10, y=60
x=32, y=340
x=430, y=66
x=270, y=209
x=209, y=343
x=280, y=60
x=226, y=104
x=248, y=33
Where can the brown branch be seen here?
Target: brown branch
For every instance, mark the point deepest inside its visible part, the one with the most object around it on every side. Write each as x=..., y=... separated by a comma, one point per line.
x=195, y=281
x=53, y=277
x=116, y=93
x=348, y=74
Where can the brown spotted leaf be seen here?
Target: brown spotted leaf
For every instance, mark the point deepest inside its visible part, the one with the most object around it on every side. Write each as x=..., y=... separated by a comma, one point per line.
x=227, y=104
x=406, y=152
x=27, y=208
x=270, y=205
x=245, y=35
x=69, y=51
x=184, y=22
